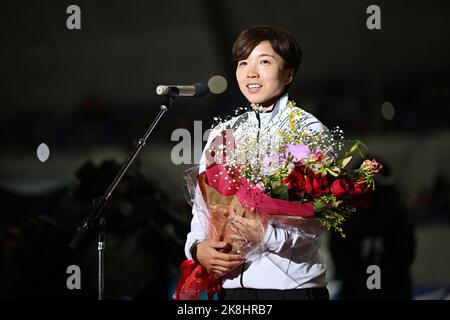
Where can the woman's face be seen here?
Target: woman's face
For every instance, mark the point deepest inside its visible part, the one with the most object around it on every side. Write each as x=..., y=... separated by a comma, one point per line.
x=262, y=77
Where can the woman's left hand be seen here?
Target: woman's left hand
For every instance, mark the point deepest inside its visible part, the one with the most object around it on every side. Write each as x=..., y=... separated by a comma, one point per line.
x=247, y=229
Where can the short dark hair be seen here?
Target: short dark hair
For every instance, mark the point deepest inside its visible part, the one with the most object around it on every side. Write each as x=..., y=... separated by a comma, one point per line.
x=283, y=43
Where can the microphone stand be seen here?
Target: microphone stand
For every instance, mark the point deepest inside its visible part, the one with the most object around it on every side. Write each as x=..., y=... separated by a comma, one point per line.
x=100, y=203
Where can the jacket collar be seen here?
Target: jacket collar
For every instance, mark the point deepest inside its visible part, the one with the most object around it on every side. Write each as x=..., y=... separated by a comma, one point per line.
x=279, y=108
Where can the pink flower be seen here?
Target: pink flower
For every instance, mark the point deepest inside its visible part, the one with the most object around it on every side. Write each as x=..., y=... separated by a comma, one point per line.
x=271, y=163
x=298, y=151
x=317, y=156
x=371, y=166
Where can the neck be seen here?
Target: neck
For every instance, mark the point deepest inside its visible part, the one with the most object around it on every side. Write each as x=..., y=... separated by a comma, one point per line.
x=265, y=106
x=261, y=108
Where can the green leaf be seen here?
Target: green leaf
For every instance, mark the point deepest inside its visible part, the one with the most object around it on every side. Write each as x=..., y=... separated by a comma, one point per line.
x=334, y=171
x=319, y=205
x=344, y=162
x=281, y=192
x=356, y=147
x=335, y=203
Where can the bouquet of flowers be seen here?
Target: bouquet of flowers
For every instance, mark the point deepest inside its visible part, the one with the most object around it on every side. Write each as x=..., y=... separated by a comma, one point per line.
x=297, y=179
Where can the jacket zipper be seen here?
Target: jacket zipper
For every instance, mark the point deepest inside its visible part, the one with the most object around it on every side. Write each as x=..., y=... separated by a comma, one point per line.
x=259, y=126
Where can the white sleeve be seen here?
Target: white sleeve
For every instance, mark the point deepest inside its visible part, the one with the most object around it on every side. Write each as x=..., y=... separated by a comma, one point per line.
x=199, y=223
x=278, y=238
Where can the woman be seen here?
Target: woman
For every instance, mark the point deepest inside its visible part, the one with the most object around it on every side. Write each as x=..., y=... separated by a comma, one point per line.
x=266, y=61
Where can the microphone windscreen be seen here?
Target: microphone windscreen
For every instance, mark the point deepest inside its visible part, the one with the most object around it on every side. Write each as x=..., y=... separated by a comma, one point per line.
x=201, y=89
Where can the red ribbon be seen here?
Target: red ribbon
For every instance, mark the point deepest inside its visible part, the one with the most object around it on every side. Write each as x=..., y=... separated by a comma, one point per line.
x=251, y=197
x=195, y=280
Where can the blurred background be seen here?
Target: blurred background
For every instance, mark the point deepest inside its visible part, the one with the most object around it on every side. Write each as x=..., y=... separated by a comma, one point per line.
x=73, y=102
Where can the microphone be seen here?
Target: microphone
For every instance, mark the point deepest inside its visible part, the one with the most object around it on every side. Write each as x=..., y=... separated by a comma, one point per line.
x=196, y=90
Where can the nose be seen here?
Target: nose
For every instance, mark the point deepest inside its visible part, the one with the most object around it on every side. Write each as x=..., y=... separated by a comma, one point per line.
x=252, y=72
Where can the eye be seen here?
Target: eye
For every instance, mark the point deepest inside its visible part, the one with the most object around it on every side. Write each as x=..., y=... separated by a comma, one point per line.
x=265, y=61
x=242, y=63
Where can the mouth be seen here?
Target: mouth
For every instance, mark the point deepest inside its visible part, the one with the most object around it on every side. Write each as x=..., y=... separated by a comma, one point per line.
x=254, y=87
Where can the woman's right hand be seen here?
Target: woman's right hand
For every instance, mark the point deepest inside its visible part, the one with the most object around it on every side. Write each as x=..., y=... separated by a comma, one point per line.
x=209, y=255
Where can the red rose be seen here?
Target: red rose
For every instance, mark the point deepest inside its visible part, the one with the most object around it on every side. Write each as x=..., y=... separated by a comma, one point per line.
x=342, y=187
x=316, y=184
x=296, y=184
x=360, y=188
x=361, y=195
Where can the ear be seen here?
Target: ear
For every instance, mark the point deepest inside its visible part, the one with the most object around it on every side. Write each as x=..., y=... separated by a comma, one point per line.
x=289, y=76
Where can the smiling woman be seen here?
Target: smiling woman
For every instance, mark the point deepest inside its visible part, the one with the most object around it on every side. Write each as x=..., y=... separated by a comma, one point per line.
x=262, y=77
x=289, y=267
x=266, y=61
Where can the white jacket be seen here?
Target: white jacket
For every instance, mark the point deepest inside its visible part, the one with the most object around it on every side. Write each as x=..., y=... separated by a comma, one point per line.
x=291, y=258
